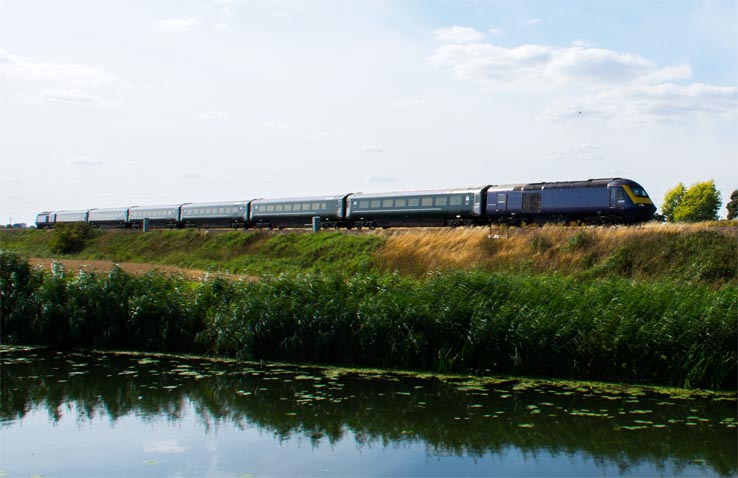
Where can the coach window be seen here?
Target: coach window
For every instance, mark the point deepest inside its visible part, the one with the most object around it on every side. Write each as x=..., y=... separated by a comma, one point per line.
x=441, y=201
x=288, y=207
x=500, y=198
x=388, y=203
x=413, y=202
x=455, y=200
x=363, y=204
x=376, y=203
x=279, y=208
x=323, y=206
x=400, y=202
x=426, y=201
x=316, y=206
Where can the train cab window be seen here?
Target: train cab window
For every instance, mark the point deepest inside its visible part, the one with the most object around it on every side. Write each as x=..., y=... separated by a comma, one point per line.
x=388, y=203
x=639, y=192
x=413, y=202
x=617, y=195
x=426, y=201
x=376, y=203
x=441, y=201
x=455, y=200
x=400, y=202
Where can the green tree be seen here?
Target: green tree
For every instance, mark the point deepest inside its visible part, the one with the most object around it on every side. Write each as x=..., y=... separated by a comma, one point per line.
x=701, y=202
x=672, y=199
x=733, y=205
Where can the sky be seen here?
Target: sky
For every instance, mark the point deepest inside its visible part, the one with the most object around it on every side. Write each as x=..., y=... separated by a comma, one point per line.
x=108, y=103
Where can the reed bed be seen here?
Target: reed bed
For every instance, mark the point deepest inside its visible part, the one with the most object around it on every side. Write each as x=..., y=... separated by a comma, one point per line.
x=662, y=332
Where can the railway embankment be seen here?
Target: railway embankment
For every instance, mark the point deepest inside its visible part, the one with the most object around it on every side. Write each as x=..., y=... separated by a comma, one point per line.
x=701, y=253
x=651, y=304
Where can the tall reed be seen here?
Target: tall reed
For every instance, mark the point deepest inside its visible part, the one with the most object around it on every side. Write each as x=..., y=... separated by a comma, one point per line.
x=469, y=322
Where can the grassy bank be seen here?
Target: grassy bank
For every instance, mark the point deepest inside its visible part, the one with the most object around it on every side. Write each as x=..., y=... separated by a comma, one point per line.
x=706, y=254
x=662, y=332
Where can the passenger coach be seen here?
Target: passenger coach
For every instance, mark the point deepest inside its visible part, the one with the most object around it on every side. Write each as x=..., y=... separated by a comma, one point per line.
x=447, y=207
x=298, y=212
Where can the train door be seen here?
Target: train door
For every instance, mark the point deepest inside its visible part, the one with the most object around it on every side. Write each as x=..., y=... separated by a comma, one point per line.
x=617, y=198
x=501, y=202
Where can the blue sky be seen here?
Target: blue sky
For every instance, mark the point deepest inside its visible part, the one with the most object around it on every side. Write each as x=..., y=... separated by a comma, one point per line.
x=106, y=103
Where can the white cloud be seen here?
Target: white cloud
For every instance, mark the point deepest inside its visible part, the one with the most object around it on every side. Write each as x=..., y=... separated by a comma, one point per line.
x=542, y=66
x=457, y=34
x=278, y=126
x=67, y=97
x=592, y=82
x=495, y=32
x=583, y=153
x=84, y=161
x=322, y=136
x=373, y=150
x=179, y=24
x=410, y=103
x=533, y=21
x=648, y=103
x=211, y=115
x=382, y=178
x=66, y=74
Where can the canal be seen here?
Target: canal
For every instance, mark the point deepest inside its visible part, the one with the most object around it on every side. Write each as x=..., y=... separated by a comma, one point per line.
x=79, y=414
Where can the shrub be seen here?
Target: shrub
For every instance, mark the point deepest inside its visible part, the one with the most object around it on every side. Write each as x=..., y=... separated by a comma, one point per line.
x=70, y=238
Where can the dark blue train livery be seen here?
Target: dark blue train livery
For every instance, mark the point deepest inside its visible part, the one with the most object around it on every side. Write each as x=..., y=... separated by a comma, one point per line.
x=595, y=201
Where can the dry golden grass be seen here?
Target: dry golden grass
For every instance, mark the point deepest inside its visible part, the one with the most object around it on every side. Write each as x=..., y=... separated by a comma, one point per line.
x=540, y=249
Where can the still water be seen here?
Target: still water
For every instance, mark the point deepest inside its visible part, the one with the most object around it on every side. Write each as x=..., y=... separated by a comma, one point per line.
x=106, y=414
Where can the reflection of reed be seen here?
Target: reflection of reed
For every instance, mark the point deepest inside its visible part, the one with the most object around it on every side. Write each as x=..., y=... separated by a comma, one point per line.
x=449, y=417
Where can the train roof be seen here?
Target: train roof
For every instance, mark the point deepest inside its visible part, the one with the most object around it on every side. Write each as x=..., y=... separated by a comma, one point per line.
x=589, y=183
x=161, y=206
x=110, y=209
x=72, y=211
x=419, y=192
x=299, y=199
x=216, y=204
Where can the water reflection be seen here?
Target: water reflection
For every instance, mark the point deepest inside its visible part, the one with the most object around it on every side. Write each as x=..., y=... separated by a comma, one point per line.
x=596, y=431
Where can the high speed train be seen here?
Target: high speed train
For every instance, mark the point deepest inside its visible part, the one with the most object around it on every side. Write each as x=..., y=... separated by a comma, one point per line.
x=594, y=201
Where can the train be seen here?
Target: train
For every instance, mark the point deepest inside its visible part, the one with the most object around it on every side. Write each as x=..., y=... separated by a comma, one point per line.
x=594, y=201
